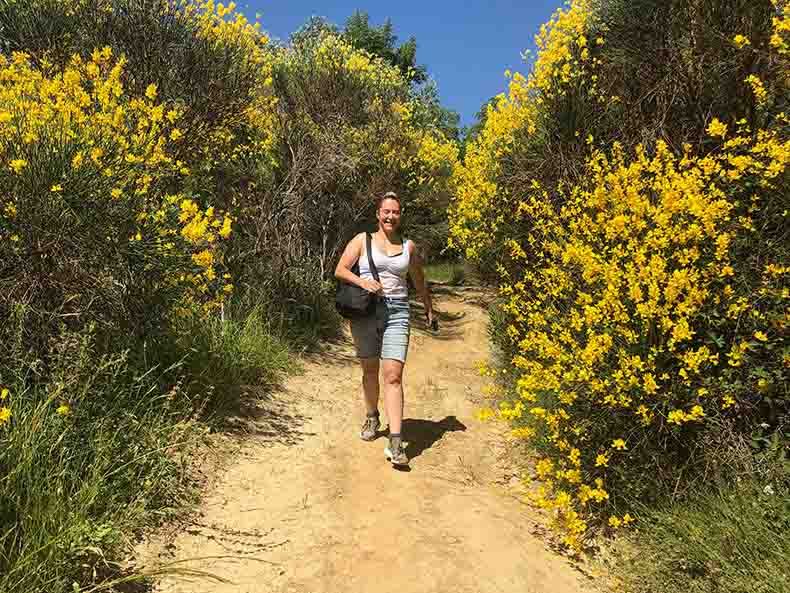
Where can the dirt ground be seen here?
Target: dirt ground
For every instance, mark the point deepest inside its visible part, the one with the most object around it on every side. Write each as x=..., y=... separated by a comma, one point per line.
x=305, y=506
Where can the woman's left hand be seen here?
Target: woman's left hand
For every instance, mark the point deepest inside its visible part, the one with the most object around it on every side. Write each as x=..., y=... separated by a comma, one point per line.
x=430, y=319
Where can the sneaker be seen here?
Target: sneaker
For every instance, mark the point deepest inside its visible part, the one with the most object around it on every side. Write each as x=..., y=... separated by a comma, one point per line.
x=396, y=455
x=370, y=428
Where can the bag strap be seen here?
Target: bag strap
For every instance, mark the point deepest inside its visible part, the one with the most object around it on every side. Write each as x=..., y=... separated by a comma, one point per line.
x=371, y=265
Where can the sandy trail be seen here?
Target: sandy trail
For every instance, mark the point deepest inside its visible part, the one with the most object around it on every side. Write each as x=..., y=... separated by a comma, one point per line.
x=307, y=507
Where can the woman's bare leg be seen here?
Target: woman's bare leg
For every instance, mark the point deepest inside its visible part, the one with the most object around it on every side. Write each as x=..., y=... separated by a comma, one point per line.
x=370, y=383
x=393, y=393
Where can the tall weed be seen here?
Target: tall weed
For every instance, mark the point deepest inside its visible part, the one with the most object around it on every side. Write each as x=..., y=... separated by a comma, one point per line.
x=91, y=453
x=736, y=539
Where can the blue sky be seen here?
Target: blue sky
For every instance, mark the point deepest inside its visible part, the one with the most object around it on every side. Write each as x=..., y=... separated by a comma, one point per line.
x=466, y=46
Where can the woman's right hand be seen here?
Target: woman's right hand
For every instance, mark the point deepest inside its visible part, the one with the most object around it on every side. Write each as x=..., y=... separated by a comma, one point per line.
x=372, y=286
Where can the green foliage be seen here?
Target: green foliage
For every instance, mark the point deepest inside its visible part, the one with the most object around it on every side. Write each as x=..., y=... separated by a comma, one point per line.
x=446, y=272
x=314, y=29
x=480, y=122
x=226, y=352
x=382, y=41
x=736, y=539
x=110, y=461
x=430, y=112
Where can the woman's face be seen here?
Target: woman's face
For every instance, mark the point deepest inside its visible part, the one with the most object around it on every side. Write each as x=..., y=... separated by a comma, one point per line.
x=389, y=215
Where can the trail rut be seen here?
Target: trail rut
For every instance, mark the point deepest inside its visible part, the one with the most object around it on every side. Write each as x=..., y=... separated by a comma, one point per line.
x=307, y=507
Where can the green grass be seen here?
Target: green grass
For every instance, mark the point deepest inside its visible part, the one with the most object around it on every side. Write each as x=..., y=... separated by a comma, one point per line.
x=75, y=488
x=224, y=353
x=734, y=540
x=447, y=272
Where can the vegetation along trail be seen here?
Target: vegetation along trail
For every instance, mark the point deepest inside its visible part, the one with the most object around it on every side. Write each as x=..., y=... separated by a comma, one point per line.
x=311, y=508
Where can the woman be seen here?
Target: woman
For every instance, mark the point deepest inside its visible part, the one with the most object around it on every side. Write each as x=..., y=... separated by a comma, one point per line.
x=382, y=340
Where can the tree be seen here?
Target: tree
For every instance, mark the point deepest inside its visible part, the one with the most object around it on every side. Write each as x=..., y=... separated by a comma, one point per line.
x=430, y=111
x=470, y=133
x=381, y=41
x=313, y=29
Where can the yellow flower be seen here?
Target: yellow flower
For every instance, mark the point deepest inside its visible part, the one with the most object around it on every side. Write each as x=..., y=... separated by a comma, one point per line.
x=5, y=414
x=225, y=231
x=17, y=165
x=602, y=460
x=619, y=444
x=56, y=188
x=63, y=410
x=761, y=336
x=483, y=415
x=150, y=92
x=116, y=193
x=204, y=259
x=4, y=393
x=758, y=87
x=650, y=383
x=717, y=128
x=741, y=41
x=614, y=522
x=676, y=417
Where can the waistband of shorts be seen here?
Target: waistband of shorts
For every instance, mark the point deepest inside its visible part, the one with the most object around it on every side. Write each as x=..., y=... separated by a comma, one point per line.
x=394, y=300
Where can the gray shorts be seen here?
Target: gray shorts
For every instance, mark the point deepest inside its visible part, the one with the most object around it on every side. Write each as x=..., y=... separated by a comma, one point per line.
x=385, y=335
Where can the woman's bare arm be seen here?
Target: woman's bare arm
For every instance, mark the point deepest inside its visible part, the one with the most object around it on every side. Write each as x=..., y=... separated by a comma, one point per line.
x=418, y=277
x=343, y=271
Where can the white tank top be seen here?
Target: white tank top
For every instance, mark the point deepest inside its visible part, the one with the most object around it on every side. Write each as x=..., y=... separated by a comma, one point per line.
x=392, y=269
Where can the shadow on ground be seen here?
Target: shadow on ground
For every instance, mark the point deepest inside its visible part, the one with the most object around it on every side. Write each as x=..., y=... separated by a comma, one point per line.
x=424, y=434
x=256, y=411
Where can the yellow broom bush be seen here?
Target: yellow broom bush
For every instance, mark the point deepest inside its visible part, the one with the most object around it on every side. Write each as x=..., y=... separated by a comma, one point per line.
x=91, y=219
x=645, y=295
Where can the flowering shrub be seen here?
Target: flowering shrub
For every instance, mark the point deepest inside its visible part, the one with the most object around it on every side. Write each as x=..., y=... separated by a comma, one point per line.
x=88, y=227
x=142, y=184
x=644, y=295
x=346, y=132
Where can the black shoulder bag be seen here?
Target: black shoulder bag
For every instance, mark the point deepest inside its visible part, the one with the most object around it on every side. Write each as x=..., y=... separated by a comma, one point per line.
x=352, y=301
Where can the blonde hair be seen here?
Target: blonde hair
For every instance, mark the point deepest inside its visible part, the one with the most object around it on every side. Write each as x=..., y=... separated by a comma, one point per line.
x=390, y=195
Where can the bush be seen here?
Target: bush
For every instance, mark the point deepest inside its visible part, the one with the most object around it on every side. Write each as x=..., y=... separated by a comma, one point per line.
x=226, y=352
x=80, y=154
x=109, y=247
x=643, y=277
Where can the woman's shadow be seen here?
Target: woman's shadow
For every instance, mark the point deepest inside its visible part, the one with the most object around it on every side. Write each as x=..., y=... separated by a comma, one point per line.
x=423, y=434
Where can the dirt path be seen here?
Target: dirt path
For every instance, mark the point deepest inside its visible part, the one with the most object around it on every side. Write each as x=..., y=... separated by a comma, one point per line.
x=310, y=508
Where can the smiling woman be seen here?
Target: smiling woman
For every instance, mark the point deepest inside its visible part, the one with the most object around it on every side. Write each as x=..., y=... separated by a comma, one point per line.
x=384, y=335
